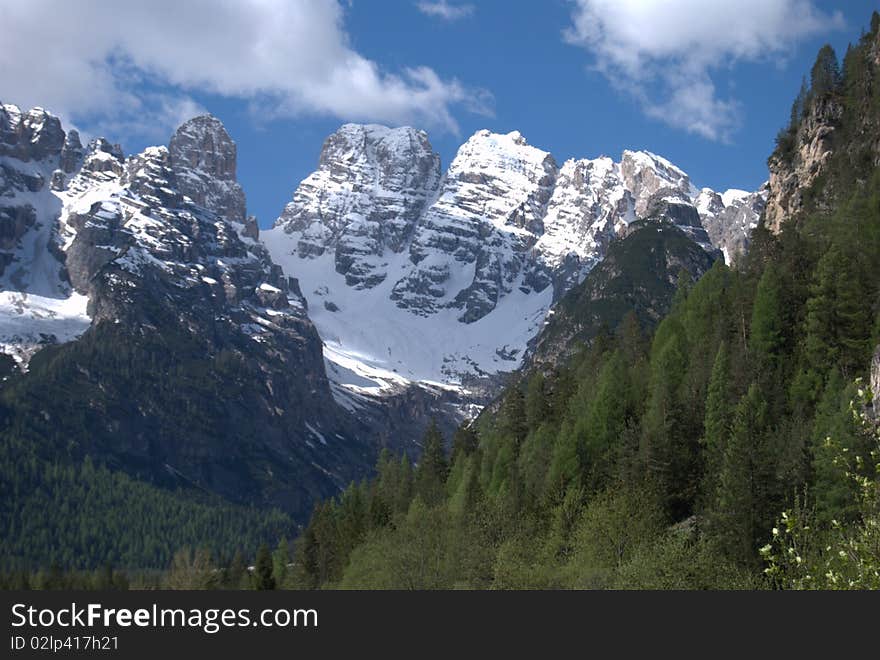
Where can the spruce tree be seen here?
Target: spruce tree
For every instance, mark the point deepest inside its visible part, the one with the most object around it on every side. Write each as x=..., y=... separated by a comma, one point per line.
x=430, y=477
x=606, y=420
x=536, y=405
x=237, y=571
x=280, y=562
x=766, y=342
x=838, y=320
x=799, y=107
x=464, y=441
x=512, y=420
x=716, y=425
x=825, y=74
x=743, y=507
x=264, y=580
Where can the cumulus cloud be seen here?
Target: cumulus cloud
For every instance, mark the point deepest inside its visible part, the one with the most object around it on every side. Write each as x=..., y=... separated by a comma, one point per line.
x=445, y=11
x=139, y=63
x=664, y=53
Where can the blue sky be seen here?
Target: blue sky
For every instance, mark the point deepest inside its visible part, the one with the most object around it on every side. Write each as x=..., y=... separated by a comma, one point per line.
x=705, y=84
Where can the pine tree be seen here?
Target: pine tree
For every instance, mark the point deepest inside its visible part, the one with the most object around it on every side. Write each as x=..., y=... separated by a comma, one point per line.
x=405, y=485
x=837, y=432
x=825, y=75
x=716, y=425
x=464, y=441
x=513, y=423
x=237, y=571
x=280, y=562
x=766, y=342
x=799, y=107
x=536, y=405
x=666, y=449
x=606, y=419
x=564, y=462
x=263, y=578
x=838, y=320
x=743, y=508
x=430, y=477
x=351, y=519
x=631, y=338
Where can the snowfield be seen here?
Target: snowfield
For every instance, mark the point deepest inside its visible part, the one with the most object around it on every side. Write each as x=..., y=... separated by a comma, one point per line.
x=374, y=345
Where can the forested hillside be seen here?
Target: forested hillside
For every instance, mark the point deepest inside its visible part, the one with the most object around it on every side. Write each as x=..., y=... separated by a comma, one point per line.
x=665, y=458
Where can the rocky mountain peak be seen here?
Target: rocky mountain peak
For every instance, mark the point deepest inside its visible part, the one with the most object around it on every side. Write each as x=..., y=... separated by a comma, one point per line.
x=72, y=152
x=504, y=154
x=28, y=136
x=102, y=156
x=371, y=186
x=202, y=144
x=473, y=259
x=644, y=173
x=203, y=157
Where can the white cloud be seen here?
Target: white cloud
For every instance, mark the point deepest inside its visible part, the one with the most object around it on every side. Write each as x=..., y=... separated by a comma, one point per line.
x=445, y=11
x=137, y=64
x=665, y=52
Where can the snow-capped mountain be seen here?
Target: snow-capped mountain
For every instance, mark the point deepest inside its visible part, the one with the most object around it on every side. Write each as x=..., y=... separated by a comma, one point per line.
x=71, y=214
x=730, y=217
x=155, y=253
x=416, y=275
x=37, y=303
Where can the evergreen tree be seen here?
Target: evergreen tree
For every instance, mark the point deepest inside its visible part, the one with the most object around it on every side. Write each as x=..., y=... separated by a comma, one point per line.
x=430, y=477
x=799, y=107
x=564, y=462
x=836, y=431
x=406, y=484
x=743, y=502
x=838, y=321
x=264, y=580
x=766, y=342
x=716, y=425
x=536, y=405
x=667, y=452
x=280, y=562
x=825, y=74
x=236, y=573
x=464, y=441
x=606, y=420
x=513, y=424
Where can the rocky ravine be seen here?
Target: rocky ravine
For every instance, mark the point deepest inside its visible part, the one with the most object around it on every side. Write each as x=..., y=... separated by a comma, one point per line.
x=415, y=275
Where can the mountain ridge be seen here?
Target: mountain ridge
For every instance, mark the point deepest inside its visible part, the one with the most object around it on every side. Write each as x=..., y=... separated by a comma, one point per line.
x=483, y=251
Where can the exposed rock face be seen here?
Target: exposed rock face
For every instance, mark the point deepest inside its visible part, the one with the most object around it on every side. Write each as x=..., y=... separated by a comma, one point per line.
x=730, y=218
x=446, y=279
x=643, y=174
x=31, y=136
x=371, y=186
x=791, y=174
x=71, y=153
x=587, y=210
x=675, y=207
x=491, y=205
x=204, y=157
x=37, y=305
